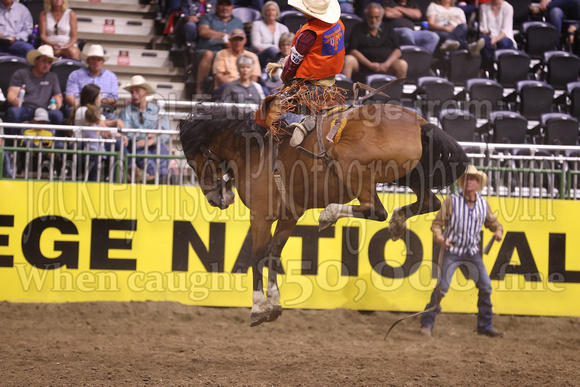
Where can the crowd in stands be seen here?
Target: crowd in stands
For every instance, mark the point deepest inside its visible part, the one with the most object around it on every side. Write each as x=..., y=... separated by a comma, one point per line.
x=235, y=52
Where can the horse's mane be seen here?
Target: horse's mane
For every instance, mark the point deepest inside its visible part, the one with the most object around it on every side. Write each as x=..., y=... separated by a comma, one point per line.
x=205, y=123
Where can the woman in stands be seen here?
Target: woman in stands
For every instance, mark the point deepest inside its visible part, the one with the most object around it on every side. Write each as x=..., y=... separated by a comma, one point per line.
x=496, y=26
x=266, y=33
x=449, y=22
x=243, y=90
x=58, y=28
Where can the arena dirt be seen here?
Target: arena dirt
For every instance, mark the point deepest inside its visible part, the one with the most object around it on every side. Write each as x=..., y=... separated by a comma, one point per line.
x=162, y=343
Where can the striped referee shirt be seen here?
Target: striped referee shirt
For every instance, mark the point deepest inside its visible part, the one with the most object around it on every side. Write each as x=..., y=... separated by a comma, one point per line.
x=465, y=221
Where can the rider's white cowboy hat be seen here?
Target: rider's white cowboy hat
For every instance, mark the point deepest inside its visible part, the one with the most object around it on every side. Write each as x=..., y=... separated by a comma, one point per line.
x=94, y=50
x=45, y=50
x=472, y=171
x=326, y=10
x=139, y=81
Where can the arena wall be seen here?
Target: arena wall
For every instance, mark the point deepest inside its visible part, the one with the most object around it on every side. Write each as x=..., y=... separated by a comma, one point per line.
x=73, y=242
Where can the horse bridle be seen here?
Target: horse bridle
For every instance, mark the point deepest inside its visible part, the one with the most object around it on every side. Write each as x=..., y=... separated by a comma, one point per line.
x=209, y=155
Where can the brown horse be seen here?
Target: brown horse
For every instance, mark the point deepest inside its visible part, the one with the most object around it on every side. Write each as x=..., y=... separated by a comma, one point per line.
x=378, y=144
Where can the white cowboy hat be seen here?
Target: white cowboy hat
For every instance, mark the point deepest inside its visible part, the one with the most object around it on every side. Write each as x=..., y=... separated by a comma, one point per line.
x=326, y=10
x=44, y=50
x=139, y=81
x=94, y=50
x=472, y=171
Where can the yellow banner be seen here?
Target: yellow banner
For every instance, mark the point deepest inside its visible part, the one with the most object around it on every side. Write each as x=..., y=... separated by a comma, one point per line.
x=70, y=242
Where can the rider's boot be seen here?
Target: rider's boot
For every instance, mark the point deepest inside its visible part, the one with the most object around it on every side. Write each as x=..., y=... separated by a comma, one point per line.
x=301, y=129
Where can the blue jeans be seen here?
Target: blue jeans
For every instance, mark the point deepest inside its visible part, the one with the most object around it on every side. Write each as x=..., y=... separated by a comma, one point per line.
x=190, y=31
x=459, y=34
x=18, y=48
x=422, y=38
x=563, y=9
x=151, y=163
x=488, y=51
x=26, y=113
x=478, y=273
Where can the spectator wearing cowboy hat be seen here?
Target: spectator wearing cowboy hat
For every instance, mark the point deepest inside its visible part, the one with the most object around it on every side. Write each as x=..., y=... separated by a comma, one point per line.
x=94, y=57
x=464, y=214
x=142, y=114
x=15, y=28
x=224, y=65
x=41, y=85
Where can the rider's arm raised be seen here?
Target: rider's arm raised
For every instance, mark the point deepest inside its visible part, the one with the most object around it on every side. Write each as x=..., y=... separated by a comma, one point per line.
x=304, y=43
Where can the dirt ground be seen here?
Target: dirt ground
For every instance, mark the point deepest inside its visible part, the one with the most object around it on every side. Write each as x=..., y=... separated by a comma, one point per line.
x=162, y=343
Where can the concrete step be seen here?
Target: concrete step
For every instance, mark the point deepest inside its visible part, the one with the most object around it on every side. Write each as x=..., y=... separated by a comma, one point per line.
x=126, y=60
x=107, y=13
x=124, y=6
x=116, y=29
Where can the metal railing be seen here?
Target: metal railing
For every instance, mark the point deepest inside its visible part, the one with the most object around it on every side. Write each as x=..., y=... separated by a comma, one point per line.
x=514, y=170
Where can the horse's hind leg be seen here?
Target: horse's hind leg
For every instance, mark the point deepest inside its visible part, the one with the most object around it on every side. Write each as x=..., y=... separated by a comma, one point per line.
x=427, y=201
x=370, y=207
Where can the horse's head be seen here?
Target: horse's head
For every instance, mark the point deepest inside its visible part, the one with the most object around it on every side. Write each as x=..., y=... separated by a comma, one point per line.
x=215, y=180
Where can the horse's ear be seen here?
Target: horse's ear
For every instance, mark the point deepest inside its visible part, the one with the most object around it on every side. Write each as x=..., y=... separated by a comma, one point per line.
x=262, y=112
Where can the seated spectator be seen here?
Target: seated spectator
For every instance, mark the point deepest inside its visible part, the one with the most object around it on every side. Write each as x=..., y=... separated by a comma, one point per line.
x=224, y=65
x=58, y=28
x=243, y=90
x=374, y=47
x=94, y=57
x=496, y=26
x=15, y=28
x=285, y=45
x=450, y=24
x=40, y=118
x=214, y=30
x=266, y=33
x=141, y=114
x=40, y=85
x=192, y=11
x=402, y=15
x=86, y=115
x=7, y=165
x=558, y=10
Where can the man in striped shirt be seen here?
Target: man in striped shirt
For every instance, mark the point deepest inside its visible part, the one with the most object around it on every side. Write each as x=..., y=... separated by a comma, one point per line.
x=464, y=214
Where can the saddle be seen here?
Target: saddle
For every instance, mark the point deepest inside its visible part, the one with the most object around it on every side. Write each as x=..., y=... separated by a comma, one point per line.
x=338, y=123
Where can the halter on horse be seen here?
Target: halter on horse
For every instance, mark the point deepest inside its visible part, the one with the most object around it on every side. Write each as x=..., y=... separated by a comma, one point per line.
x=378, y=144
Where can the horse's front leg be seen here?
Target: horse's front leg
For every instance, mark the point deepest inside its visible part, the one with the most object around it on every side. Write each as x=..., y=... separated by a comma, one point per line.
x=283, y=231
x=260, y=247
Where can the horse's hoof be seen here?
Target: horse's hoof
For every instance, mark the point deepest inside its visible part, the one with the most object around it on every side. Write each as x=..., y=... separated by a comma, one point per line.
x=324, y=225
x=258, y=318
x=396, y=233
x=274, y=311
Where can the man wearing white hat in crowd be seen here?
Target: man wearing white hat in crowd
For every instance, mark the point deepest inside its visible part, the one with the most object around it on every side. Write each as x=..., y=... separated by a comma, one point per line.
x=317, y=55
x=465, y=213
x=94, y=57
x=40, y=85
x=142, y=114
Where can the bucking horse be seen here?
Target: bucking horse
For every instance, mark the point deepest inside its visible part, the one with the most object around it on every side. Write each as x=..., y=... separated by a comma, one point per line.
x=373, y=144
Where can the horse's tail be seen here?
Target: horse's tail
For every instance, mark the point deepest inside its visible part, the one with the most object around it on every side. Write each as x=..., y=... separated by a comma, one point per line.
x=442, y=161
